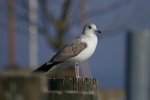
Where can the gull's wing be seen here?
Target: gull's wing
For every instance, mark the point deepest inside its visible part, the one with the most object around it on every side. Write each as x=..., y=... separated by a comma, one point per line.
x=68, y=51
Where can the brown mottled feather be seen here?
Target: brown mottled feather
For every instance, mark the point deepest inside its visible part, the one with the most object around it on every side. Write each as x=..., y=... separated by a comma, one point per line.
x=68, y=51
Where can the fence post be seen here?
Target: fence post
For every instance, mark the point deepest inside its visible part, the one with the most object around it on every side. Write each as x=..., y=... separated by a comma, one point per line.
x=21, y=86
x=74, y=84
x=70, y=95
x=137, y=69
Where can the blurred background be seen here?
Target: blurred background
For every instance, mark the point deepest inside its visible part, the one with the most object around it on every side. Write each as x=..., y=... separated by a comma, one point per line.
x=31, y=31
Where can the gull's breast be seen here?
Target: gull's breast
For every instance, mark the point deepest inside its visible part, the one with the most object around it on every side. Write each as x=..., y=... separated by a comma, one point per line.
x=87, y=52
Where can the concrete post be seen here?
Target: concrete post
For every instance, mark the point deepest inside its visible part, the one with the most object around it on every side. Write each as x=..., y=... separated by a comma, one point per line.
x=138, y=48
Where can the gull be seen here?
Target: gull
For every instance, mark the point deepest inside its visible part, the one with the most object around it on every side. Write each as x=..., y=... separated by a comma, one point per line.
x=75, y=52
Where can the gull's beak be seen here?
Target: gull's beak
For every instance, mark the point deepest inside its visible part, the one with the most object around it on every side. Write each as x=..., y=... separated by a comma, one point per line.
x=97, y=31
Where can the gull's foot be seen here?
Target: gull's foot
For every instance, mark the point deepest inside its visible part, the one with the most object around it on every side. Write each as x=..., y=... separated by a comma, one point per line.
x=78, y=77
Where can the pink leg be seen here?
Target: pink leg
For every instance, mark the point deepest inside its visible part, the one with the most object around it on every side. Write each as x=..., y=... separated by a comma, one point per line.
x=77, y=70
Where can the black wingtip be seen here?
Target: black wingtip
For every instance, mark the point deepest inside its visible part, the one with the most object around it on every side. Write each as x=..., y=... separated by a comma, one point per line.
x=45, y=67
x=42, y=68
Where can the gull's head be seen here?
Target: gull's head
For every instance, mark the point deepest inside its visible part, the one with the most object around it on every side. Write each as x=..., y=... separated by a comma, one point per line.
x=90, y=28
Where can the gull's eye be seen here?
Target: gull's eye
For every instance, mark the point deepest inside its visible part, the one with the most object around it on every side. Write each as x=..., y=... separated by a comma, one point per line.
x=89, y=27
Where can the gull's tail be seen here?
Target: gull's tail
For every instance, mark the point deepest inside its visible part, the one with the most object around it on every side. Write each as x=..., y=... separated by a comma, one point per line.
x=45, y=67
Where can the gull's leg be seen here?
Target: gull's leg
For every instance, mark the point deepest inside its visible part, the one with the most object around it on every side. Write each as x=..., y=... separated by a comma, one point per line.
x=77, y=70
